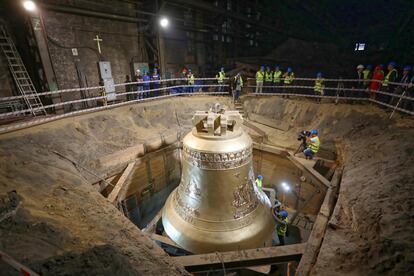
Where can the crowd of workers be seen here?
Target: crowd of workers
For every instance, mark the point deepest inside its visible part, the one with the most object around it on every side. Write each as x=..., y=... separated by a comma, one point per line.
x=368, y=80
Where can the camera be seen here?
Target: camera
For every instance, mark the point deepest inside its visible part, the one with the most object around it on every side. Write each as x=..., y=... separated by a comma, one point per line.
x=303, y=134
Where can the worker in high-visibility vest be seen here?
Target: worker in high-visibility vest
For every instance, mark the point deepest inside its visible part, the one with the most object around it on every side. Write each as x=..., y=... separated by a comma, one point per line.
x=391, y=76
x=238, y=85
x=220, y=79
x=190, y=81
x=268, y=79
x=289, y=76
x=281, y=224
x=319, y=86
x=259, y=79
x=313, y=144
x=277, y=75
x=259, y=181
x=367, y=75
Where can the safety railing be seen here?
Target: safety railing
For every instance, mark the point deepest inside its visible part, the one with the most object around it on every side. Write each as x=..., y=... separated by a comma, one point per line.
x=397, y=96
x=140, y=91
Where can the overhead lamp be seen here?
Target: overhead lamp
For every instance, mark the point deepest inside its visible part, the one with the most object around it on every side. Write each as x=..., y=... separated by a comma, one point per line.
x=29, y=5
x=164, y=22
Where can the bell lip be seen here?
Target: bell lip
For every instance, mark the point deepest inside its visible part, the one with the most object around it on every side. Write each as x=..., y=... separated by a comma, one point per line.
x=188, y=242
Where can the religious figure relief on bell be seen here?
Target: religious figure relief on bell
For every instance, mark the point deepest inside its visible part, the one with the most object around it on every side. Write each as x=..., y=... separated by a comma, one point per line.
x=244, y=199
x=184, y=210
x=192, y=190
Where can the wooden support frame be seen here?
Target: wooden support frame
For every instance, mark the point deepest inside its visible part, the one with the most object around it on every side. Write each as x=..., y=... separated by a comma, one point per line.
x=120, y=185
x=242, y=258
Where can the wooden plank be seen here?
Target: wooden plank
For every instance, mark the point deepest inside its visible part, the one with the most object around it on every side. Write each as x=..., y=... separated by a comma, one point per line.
x=273, y=123
x=316, y=237
x=164, y=239
x=242, y=258
x=308, y=166
x=150, y=228
x=112, y=197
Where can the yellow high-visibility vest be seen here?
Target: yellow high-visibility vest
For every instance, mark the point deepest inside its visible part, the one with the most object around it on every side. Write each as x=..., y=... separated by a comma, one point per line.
x=319, y=86
x=259, y=183
x=289, y=77
x=259, y=76
x=282, y=228
x=190, y=79
x=276, y=76
x=220, y=77
x=387, y=77
x=268, y=76
x=314, y=146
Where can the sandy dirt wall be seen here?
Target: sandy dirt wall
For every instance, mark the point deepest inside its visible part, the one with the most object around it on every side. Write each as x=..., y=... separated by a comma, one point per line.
x=61, y=217
x=376, y=226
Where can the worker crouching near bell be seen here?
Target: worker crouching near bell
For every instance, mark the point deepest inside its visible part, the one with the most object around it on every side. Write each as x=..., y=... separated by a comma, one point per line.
x=281, y=218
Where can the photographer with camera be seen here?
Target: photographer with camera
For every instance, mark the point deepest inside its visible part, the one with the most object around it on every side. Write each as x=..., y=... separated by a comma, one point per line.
x=312, y=144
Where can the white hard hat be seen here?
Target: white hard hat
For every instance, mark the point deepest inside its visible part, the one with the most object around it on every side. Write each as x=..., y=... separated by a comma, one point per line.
x=360, y=66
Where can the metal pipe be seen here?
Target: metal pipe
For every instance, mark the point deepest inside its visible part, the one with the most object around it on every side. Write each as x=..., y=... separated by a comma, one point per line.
x=81, y=11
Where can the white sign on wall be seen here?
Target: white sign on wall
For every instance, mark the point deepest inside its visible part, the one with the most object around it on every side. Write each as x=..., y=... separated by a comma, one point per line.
x=74, y=52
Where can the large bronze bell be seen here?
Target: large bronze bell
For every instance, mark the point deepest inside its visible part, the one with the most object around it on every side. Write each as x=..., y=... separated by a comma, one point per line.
x=217, y=206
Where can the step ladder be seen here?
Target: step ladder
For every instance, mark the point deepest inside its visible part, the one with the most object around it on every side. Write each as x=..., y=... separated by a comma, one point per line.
x=239, y=107
x=20, y=75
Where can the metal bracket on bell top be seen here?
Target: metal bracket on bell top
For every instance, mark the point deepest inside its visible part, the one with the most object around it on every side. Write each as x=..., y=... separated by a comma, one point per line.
x=210, y=122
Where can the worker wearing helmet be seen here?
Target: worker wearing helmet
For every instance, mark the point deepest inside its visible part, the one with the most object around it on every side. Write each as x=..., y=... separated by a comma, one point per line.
x=259, y=79
x=146, y=84
x=221, y=75
x=367, y=75
x=238, y=85
x=319, y=86
x=405, y=80
x=156, y=85
x=391, y=76
x=268, y=79
x=313, y=144
x=288, y=76
x=277, y=75
x=190, y=81
x=281, y=224
x=360, y=83
x=259, y=181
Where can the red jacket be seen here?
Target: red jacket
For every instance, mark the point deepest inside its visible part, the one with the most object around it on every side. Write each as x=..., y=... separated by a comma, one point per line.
x=378, y=75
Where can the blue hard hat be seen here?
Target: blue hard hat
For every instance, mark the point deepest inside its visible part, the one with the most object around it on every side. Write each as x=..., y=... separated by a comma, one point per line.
x=392, y=63
x=319, y=75
x=314, y=132
x=284, y=213
x=222, y=68
x=407, y=68
x=260, y=177
x=369, y=67
x=289, y=69
x=189, y=70
x=261, y=67
x=277, y=68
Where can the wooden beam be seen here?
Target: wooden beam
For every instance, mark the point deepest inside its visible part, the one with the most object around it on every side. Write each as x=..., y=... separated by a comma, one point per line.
x=113, y=196
x=242, y=258
x=308, y=166
x=165, y=240
x=318, y=231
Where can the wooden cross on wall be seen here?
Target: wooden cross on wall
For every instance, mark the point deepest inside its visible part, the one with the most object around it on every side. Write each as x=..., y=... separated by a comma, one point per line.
x=98, y=40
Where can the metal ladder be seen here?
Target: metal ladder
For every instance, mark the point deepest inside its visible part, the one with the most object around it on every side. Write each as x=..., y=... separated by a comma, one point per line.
x=20, y=75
